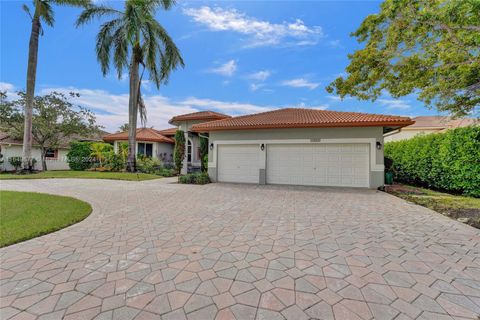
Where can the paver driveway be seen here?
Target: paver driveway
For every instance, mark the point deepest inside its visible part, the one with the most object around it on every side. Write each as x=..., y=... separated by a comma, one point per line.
x=154, y=250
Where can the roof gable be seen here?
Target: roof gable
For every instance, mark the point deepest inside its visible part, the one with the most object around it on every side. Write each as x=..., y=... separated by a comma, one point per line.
x=143, y=134
x=201, y=115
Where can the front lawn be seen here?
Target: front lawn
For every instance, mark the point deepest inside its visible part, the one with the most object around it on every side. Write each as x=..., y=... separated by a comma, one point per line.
x=26, y=215
x=82, y=175
x=466, y=209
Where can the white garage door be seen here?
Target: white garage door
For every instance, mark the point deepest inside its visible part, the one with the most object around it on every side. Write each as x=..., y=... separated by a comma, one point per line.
x=318, y=164
x=238, y=163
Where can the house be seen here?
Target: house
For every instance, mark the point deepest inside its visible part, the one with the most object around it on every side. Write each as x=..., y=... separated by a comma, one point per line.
x=294, y=146
x=150, y=143
x=426, y=125
x=56, y=159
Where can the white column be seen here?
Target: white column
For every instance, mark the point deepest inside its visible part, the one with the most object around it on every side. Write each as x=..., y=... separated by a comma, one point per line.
x=185, y=163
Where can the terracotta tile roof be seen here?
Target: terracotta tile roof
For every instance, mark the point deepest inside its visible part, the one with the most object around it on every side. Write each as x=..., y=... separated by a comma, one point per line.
x=202, y=115
x=168, y=132
x=143, y=134
x=441, y=122
x=302, y=118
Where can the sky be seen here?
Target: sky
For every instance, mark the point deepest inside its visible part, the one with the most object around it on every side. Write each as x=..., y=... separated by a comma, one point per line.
x=240, y=57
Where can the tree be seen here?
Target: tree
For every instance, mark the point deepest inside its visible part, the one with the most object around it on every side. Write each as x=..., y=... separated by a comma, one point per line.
x=43, y=12
x=135, y=38
x=179, y=150
x=425, y=47
x=100, y=150
x=123, y=127
x=55, y=120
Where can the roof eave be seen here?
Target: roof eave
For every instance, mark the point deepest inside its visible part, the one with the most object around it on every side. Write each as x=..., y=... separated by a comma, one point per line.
x=395, y=124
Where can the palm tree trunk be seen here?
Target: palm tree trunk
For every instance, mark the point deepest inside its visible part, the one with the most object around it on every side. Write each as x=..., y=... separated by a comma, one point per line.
x=132, y=114
x=30, y=95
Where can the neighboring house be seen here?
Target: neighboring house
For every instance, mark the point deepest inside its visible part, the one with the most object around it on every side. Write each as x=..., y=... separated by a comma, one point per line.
x=56, y=159
x=426, y=125
x=296, y=147
x=150, y=143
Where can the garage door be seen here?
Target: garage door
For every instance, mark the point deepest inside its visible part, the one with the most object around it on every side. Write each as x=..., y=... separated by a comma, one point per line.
x=318, y=164
x=238, y=163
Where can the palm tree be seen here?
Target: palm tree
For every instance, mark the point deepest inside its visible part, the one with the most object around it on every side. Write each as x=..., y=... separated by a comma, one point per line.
x=133, y=38
x=43, y=13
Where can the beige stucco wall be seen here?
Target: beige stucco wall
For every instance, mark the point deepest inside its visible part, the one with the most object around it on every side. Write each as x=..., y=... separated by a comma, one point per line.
x=314, y=135
x=11, y=150
x=405, y=134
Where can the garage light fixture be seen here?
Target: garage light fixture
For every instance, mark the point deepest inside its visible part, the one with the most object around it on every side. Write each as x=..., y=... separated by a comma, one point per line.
x=211, y=146
x=379, y=145
x=262, y=147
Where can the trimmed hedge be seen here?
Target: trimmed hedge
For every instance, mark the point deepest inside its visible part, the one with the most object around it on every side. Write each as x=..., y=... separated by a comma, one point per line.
x=194, y=178
x=79, y=157
x=447, y=161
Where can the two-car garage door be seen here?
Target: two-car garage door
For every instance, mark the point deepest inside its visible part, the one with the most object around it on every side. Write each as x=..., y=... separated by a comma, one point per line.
x=316, y=164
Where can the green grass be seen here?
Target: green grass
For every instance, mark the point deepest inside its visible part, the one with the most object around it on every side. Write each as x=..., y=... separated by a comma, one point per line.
x=81, y=175
x=26, y=215
x=454, y=206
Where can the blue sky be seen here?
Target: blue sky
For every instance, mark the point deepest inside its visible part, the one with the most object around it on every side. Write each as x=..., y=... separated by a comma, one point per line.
x=241, y=57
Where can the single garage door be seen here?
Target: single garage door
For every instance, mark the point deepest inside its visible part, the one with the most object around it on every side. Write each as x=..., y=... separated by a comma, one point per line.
x=345, y=165
x=238, y=163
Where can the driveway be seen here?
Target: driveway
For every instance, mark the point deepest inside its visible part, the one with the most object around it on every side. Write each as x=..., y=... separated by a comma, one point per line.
x=153, y=250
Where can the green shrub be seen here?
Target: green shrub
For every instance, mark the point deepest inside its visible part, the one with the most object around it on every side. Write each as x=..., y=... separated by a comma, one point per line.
x=16, y=162
x=194, y=178
x=114, y=161
x=148, y=164
x=179, y=150
x=79, y=157
x=447, y=161
x=164, y=172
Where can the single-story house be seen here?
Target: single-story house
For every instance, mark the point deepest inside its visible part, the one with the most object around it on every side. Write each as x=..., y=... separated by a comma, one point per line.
x=428, y=124
x=150, y=142
x=56, y=159
x=295, y=147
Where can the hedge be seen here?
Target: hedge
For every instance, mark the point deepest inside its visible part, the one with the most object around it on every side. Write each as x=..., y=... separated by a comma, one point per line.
x=79, y=157
x=447, y=161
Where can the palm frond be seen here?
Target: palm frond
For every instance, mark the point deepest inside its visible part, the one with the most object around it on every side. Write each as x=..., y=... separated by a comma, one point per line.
x=120, y=53
x=142, y=109
x=74, y=3
x=92, y=12
x=45, y=12
x=104, y=43
x=27, y=10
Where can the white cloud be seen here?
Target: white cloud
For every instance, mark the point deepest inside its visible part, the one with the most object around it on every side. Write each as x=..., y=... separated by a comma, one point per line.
x=259, y=75
x=227, y=69
x=337, y=98
x=260, y=33
x=8, y=87
x=256, y=86
x=305, y=106
x=395, y=104
x=300, y=83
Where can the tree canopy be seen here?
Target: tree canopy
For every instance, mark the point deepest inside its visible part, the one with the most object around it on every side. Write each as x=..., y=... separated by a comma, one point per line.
x=55, y=119
x=430, y=48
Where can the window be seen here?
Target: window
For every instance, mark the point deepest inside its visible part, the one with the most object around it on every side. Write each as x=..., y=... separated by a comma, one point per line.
x=145, y=149
x=51, y=154
x=189, y=151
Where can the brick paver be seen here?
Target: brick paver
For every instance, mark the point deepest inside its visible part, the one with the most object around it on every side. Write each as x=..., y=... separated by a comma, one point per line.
x=159, y=250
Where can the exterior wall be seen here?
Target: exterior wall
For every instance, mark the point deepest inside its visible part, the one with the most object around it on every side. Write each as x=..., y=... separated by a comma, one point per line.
x=370, y=135
x=10, y=150
x=404, y=134
x=159, y=149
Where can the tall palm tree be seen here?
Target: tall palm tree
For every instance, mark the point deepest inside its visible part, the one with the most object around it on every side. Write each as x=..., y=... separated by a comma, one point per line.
x=135, y=38
x=43, y=12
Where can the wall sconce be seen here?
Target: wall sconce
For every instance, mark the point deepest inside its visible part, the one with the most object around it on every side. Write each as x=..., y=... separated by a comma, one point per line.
x=211, y=146
x=262, y=147
x=379, y=145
